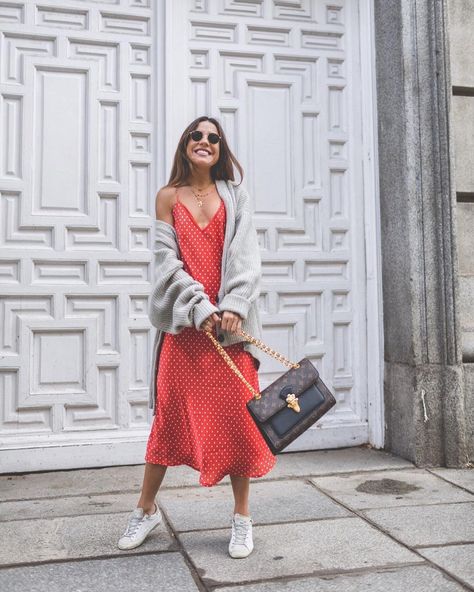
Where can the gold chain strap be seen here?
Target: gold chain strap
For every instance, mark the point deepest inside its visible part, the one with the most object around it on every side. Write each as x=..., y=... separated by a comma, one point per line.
x=281, y=358
x=268, y=350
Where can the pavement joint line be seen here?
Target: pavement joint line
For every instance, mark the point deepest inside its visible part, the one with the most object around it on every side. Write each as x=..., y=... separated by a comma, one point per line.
x=72, y=495
x=448, y=481
x=394, y=538
x=186, y=558
x=416, y=505
x=322, y=573
x=307, y=480
x=442, y=545
x=328, y=451
x=168, y=523
x=258, y=524
x=35, y=563
x=124, y=513
x=204, y=584
x=196, y=486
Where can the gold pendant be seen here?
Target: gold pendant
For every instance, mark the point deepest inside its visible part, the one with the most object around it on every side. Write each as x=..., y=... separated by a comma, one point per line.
x=292, y=401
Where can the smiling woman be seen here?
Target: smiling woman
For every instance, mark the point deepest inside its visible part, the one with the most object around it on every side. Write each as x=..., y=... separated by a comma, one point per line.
x=208, y=279
x=221, y=162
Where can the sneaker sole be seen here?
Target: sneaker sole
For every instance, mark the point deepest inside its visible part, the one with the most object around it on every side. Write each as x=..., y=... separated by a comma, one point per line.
x=241, y=556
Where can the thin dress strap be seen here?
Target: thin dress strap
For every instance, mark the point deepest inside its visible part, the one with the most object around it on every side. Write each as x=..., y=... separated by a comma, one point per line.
x=177, y=194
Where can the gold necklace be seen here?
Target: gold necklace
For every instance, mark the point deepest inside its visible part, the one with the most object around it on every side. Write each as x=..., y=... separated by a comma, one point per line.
x=199, y=195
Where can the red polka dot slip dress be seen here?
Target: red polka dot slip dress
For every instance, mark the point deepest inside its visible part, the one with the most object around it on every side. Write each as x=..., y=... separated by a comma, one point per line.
x=201, y=418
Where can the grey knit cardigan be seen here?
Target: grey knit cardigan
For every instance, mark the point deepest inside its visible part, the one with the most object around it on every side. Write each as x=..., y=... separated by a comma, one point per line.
x=177, y=300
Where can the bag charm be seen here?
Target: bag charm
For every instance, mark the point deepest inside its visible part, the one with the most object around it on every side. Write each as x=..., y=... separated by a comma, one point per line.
x=292, y=401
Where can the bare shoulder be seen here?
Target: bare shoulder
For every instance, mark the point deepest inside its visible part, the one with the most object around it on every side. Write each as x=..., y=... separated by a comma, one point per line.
x=164, y=202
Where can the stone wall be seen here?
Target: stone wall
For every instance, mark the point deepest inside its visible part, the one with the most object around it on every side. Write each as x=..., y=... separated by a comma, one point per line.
x=461, y=35
x=424, y=390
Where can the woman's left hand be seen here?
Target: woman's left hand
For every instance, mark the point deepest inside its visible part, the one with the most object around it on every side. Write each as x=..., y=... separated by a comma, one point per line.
x=231, y=321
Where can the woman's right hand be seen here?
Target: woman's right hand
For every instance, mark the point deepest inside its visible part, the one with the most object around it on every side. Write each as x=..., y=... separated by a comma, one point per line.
x=210, y=322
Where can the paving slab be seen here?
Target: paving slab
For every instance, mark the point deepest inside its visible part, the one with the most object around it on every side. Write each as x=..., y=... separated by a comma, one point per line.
x=271, y=501
x=67, y=506
x=70, y=538
x=88, y=481
x=294, y=549
x=123, y=479
x=427, y=525
x=391, y=488
x=67, y=483
x=462, y=477
x=340, y=460
x=159, y=573
x=416, y=578
x=458, y=560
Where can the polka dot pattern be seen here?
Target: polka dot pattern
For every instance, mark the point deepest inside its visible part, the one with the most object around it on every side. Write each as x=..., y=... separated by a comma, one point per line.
x=201, y=416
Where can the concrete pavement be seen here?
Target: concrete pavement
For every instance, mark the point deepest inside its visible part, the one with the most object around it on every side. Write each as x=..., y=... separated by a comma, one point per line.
x=351, y=519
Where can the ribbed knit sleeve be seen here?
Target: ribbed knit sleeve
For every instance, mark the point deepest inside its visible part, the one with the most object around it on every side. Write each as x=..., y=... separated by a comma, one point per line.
x=242, y=277
x=177, y=300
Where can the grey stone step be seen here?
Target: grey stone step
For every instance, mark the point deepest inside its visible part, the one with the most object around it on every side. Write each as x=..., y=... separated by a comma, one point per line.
x=427, y=525
x=295, y=549
x=461, y=477
x=129, y=478
x=391, y=488
x=275, y=501
x=160, y=573
x=52, y=539
x=68, y=506
x=458, y=560
x=416, y=578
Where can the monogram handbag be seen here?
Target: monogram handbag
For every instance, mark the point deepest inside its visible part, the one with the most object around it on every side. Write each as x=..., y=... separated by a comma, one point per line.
x=288, y=406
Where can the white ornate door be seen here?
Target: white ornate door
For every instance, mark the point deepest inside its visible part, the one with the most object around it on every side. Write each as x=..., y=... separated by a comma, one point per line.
x=93, y=97
x=75, y=215
x=291, y=83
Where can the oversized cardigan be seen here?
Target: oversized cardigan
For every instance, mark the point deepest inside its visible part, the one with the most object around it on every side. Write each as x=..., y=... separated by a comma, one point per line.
x=177, y=300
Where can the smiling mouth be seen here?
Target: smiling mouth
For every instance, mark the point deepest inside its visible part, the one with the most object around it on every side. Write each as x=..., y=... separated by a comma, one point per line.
x=202, y=151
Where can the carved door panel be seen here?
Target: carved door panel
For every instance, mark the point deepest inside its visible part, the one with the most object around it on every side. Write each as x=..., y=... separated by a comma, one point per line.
x=75, y=154
x=93, y=97
x=284, y=78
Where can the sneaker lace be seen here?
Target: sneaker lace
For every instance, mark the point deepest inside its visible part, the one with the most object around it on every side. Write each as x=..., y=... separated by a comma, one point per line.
x=132, y=526
x=240, y=532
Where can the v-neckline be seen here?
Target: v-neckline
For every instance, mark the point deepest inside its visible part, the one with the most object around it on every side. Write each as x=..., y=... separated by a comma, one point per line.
x=192, y=217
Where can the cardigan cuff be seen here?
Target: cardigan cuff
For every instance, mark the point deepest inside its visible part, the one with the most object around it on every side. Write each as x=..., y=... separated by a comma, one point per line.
x=235, y=303
x=203, y=309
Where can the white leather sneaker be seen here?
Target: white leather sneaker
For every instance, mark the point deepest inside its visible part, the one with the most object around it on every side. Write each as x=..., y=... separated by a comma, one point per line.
x=138, y=528
x=241, y=542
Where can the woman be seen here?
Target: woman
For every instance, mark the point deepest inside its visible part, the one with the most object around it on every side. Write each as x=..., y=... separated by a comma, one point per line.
x=207, y=280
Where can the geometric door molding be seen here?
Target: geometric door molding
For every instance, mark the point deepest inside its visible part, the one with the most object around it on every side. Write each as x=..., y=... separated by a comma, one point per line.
x=77, y=115
x=93, y=98
x=292, y=84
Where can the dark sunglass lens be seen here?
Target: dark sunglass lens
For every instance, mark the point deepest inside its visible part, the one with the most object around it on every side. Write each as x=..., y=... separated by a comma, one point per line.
x=196, y=135
x=213, y=138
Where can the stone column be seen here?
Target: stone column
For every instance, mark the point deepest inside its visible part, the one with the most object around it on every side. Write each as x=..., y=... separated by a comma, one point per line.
x=461, y=40
x=424, y=395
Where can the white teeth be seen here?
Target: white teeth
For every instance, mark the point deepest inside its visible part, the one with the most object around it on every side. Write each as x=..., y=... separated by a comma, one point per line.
x=202, y=152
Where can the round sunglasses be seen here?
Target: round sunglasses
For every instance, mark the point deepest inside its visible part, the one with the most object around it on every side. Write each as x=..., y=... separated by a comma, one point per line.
x=197, y=135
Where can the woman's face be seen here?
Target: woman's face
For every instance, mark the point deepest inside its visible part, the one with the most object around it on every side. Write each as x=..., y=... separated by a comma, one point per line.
x=203, y=153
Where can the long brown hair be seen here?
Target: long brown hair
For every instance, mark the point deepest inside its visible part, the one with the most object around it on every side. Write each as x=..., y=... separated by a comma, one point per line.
x=223, y=168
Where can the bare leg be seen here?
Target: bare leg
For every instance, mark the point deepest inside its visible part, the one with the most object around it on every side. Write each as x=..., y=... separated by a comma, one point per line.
x=241, y=487
x=152, y=479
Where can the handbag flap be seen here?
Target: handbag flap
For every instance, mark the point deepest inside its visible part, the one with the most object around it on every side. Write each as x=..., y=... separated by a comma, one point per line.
x=271, y=402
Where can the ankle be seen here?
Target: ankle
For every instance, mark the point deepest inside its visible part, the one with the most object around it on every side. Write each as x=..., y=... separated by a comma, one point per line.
x=148, y=508
x=242, y=512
